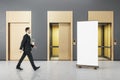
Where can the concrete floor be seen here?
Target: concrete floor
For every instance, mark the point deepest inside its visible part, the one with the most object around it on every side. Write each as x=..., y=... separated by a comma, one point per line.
x=59, y=70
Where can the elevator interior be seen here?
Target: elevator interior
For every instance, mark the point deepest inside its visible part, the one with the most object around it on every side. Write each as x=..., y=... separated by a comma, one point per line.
x=104, y=40
x=54, y=41
x=59, y=41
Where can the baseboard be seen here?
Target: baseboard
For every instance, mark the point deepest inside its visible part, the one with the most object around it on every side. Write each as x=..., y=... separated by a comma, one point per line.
x=116, y=59
x=40, y=59
x=74, y=59
x=2, y=59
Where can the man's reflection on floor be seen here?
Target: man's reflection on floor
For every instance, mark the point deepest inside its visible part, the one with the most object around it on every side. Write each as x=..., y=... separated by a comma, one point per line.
x=34, y=75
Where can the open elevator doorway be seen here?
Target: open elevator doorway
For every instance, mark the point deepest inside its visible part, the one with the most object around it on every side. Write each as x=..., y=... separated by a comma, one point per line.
x=104, y=41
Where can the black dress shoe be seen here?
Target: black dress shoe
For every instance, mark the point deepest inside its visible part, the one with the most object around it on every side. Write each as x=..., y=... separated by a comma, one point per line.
x=19, y=68
x=36, y=68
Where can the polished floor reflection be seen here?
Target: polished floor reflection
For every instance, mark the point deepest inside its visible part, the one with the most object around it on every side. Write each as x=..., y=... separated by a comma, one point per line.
x=59, y=70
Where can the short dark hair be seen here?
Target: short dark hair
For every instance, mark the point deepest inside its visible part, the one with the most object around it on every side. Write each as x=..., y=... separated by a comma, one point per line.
x=27, y=28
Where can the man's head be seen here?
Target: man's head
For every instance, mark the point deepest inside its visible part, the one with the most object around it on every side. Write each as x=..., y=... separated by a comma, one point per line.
x=27, y=30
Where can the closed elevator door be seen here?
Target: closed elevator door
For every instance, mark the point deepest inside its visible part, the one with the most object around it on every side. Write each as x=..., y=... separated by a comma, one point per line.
x=104, y=40
x=64, y=41
x=60, y=41
x=16, y=33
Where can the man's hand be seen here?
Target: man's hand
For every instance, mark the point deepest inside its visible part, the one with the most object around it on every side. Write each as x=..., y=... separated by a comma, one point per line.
x=21, y=51
x=33, y=43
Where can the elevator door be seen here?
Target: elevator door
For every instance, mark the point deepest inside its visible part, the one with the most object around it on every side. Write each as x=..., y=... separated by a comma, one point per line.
x=17, y=31
x=100, y=40
x=64, y=41
x=104, y=40
x=107, y=41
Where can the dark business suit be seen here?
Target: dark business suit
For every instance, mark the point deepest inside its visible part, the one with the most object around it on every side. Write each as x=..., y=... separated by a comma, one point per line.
x=26, y=46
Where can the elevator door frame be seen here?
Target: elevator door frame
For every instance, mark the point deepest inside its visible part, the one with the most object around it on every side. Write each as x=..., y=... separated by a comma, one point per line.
x=59, y=17
x=104, y=17
x=15, y=19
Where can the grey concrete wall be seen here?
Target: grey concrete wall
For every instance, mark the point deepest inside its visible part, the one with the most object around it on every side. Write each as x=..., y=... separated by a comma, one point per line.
x=39, y=10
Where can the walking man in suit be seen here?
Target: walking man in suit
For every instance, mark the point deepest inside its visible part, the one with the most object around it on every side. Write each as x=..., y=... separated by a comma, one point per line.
x=26, y=47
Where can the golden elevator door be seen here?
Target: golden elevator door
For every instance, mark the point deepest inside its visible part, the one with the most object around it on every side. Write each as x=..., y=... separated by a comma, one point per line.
x=99, y=40
x=17, y=31
x=64, y=41
x=107, y=41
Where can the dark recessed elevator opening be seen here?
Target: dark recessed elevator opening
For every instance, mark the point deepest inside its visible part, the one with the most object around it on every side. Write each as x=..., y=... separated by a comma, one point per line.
x=104, y=40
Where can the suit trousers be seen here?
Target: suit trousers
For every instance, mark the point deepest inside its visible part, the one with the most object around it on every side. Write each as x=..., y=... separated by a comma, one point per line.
x=30, y=57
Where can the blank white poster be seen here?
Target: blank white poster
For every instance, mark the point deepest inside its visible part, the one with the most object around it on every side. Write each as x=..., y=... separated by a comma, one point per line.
x=87, y=43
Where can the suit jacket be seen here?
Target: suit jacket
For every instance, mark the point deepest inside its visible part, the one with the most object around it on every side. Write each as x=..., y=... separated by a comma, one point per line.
x=26, y=43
